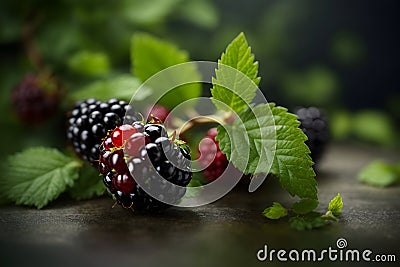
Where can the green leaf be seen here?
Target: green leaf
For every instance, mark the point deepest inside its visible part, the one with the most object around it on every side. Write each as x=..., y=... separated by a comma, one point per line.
x=382, y=131
x=305, y=205
x=264, y=129
x=150, y=56
x=254, y=132
x=292, y=163
x=314, y=86
x=276, y=211
x=236, y=79
x=122, y=87
x=200, y=12
x=89, y=63
x=148, y=12
x=378, y=173
x=307, y=222
x=336, y=205
x=38, y=175
x=89, y=184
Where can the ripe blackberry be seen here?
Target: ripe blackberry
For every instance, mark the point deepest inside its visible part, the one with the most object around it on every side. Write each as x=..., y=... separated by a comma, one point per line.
x=315, y=125
x=90, y=121
x=211, y=157
x=36, y=98
x=148, y=155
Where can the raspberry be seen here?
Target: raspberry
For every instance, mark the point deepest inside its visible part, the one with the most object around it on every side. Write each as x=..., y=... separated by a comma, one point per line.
x=315, y=125
x=90, y=121
x=158, y=112
x=36, y=98
x=211, y=157
x=149, y=153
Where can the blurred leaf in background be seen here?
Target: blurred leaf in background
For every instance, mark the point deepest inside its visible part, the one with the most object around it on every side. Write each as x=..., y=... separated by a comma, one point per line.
x=122, y=87
x=348, y=49
x=315, y=86
x=374, y=126
x=89, y=63
x=151, y=55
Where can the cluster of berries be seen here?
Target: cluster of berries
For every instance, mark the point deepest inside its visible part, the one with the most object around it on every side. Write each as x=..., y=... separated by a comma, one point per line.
x=142, y=168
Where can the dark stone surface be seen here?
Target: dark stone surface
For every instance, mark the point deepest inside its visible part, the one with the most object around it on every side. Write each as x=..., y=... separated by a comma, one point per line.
x=228, y=232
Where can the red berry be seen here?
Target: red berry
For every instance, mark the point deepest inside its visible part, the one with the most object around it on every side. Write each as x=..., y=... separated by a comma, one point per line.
x=157, y=114
x=124, y=182
x=117, y=161
x=121, y=134
x=107, y=143
x=211, y=157
x=134, y=144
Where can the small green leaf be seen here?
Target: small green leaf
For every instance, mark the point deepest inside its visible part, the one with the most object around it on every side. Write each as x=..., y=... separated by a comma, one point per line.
x=236, y=79
x=90, y=63
x=122, y=87
x=150, y=56
x=305, y=205
x=307, y=222
x=329, y=216
x=378, y=173
x=89, y=184
x=38, y=175
x=336, y=205
x=276, y=211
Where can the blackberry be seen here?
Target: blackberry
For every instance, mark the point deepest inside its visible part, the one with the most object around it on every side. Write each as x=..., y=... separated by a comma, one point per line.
x=315, y=125
x=89, y=122
x=36, y=98
x=148, y=155
x=211, y=157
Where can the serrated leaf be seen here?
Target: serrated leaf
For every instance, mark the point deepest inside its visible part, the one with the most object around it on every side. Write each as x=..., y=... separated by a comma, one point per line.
x=236, y=79
x=267, y=139
x=292, y=163
x=276, y=211
x=378, y=173
x=122, y=87
x=336, y=205
x=250, y=142
x=89, y=185
x=307, y=222
x=38, y=175
x=150, y=56
x=305, y=205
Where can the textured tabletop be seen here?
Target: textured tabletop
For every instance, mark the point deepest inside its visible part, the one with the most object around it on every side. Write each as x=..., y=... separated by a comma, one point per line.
x=228, y=232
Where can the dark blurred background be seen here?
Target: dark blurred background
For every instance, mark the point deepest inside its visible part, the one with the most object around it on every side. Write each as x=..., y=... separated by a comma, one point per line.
x=339, y=55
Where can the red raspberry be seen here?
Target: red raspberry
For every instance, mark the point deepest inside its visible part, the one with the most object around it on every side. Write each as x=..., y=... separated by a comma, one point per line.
x=211, y=157
x=121, y=134
x=157, y=113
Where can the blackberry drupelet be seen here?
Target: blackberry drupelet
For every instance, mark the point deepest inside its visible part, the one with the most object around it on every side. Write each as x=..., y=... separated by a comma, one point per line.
x=211, y=157
x=151, y=160
x=315, y=125
x=89, y=122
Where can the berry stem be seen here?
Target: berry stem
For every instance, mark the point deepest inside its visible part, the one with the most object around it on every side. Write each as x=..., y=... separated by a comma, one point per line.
x=28, y=34
x=196, y=121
